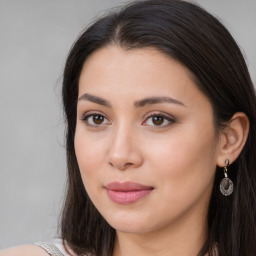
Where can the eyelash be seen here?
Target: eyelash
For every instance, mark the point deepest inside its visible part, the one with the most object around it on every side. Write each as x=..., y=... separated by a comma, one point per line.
x=87, y=116
x=165, y=117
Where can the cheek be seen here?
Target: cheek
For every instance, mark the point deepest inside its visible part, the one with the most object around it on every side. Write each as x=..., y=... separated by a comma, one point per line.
x=89, y=155
x=183, y=148
x=185, y=163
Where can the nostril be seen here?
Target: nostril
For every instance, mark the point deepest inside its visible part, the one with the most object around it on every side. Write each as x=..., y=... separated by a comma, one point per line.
x=122, y=157
x=120, y=165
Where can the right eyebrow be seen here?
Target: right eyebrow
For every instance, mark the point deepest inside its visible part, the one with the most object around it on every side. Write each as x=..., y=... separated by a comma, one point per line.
x=94, y=99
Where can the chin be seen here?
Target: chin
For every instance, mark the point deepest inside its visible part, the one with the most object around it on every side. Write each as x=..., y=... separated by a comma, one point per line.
x=131, y=224
x=132, y=229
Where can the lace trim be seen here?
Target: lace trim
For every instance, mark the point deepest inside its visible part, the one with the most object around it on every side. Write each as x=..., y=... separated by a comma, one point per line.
x=50, y=248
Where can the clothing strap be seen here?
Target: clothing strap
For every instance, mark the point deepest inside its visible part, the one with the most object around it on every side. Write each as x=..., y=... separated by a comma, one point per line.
x=50, y=248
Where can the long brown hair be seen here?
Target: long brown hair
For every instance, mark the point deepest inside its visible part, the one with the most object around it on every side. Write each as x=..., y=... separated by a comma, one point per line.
x=192, y=36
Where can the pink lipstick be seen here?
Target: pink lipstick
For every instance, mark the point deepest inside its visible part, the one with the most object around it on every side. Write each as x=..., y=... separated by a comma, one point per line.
x=127, y=192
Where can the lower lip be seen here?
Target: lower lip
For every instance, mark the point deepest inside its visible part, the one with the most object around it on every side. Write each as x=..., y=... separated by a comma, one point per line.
x=127, y=197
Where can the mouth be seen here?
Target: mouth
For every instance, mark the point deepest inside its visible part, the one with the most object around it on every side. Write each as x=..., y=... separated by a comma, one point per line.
x=127, y=192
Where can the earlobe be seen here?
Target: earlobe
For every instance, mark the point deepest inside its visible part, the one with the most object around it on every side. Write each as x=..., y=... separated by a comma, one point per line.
x=233, y=138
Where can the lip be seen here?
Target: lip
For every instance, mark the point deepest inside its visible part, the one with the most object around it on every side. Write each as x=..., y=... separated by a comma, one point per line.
x=127, y=192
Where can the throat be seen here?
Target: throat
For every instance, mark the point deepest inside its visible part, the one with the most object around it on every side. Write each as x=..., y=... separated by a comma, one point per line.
x=157, y=245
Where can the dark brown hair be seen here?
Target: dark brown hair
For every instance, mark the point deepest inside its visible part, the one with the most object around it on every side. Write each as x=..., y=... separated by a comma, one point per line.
x=192, y=36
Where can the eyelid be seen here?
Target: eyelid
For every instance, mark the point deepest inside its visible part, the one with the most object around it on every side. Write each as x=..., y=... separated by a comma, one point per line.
x=89, y=114
x=160, y=113
x=166, y=116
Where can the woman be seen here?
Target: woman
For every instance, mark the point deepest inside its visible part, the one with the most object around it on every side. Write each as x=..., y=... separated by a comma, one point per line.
x=161, y=131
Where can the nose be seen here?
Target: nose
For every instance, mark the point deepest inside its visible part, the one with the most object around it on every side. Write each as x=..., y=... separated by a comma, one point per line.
x=124, y=151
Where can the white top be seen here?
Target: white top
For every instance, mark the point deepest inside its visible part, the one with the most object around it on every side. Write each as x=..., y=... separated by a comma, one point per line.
x=55, y=248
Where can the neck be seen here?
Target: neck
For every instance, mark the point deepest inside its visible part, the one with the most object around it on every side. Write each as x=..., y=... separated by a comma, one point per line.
x=184, y=238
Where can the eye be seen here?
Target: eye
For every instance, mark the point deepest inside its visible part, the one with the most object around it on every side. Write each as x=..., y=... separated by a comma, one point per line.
x=160, y=120
x=95, y=120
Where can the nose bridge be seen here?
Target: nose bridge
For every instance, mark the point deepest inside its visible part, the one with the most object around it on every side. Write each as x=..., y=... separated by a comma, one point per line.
x=123, y=150
x=122, y=140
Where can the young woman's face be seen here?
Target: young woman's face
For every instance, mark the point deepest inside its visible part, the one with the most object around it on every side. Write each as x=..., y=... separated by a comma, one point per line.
x=145, y=140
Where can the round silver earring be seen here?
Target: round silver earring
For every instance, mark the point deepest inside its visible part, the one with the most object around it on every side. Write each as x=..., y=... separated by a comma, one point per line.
x=226, y=185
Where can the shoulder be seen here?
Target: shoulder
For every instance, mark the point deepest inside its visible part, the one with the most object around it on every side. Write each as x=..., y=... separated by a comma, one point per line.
x=24, y=250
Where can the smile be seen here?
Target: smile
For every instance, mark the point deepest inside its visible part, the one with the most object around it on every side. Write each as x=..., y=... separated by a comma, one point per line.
x=127, y=193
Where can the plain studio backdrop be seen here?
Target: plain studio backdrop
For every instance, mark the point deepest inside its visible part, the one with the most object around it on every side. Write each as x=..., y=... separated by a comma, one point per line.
x=35, y=37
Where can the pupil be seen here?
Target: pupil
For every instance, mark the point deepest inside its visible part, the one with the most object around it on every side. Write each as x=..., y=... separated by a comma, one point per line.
x=158, y=120
x=98, y=119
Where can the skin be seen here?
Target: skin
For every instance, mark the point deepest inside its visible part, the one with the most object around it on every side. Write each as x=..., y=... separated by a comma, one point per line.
x=177, y=158
x=24, y=250
x=176, y=155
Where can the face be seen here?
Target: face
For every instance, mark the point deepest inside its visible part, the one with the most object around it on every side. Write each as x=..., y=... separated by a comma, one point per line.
x=145, y=140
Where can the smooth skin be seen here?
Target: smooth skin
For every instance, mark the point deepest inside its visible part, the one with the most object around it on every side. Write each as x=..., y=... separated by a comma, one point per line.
x=24, y=250
x=171, y=146
x=127, y=130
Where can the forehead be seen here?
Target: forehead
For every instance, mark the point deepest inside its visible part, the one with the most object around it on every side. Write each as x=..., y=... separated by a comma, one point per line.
x=144, y=72
x=113, y=58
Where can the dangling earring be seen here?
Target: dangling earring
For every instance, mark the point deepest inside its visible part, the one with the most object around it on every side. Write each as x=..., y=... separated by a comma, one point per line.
x=226, y=185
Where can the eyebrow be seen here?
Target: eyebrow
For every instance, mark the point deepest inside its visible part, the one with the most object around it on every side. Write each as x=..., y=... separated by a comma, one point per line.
x=139, y=103
x=95, y=99
x=157, y=100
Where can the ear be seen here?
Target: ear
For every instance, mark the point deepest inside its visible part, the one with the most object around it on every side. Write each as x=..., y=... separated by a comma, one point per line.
x=233, y=138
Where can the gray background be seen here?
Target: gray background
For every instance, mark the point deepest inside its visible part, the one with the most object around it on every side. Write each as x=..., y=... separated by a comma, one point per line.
x=35, y=37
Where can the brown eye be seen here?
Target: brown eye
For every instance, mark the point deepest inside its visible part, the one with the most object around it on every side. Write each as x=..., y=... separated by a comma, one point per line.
x=95, y=120
x=157, y=120
x=160, y=120
x=98, y=119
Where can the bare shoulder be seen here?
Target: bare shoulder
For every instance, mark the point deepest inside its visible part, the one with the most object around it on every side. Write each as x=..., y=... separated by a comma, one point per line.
x=24, y=250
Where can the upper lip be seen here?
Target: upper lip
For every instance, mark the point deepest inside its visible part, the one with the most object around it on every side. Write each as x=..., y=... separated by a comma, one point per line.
x=126, y=186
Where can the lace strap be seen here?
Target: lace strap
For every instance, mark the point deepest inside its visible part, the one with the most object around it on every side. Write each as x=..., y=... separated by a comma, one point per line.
x=50, y=248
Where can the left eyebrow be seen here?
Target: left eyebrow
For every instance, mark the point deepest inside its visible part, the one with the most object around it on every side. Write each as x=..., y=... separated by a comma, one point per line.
x=157, y=100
